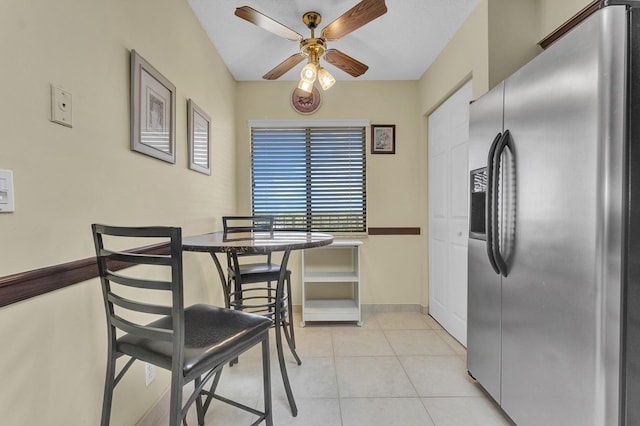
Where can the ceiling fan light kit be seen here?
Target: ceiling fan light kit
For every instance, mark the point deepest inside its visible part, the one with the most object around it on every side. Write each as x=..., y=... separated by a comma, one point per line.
x=314, y=48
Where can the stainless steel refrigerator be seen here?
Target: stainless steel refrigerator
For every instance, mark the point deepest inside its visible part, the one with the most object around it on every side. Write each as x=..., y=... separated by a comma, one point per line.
x=554, y=243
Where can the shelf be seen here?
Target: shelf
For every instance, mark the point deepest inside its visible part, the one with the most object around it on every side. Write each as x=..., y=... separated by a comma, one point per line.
x=331, y=310
x=322, y=277
x=330, y=305
x=343, y=243
x=338, y=308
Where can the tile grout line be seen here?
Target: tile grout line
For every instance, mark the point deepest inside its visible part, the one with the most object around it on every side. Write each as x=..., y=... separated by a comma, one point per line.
x=411, y=381
x=335, y=369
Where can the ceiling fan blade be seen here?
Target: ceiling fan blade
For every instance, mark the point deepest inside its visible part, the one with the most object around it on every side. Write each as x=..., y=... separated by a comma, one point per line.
x=283, y=67
x=263, y=21
x=345, y=62
x=359, y=15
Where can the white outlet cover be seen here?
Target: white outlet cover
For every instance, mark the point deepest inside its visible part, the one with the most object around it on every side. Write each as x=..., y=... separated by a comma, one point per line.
x=61, y=106
x=149, y=373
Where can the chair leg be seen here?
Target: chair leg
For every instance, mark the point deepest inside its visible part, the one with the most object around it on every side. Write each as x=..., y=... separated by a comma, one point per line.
x=283, y=367
x=227, y=296
x=291, y=344
x=212, y=389
x=290, y=308
x=266, y=373
x=175, y=405
x=236, y=299
x=109, y=385
x=287, y=323
x=199, y=409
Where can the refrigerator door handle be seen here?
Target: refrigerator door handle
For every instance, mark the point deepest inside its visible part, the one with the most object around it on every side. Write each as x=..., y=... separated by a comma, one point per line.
x=489, y=204
x=501, y=264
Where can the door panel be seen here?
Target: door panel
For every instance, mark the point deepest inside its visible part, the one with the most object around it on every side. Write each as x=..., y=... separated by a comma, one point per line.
x=438, y=194
x=448, y=224
x=458, y=305
x=437, y=274
x=460, y=182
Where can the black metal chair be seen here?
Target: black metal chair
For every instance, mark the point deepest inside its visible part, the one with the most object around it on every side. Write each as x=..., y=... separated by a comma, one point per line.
x=194, y=343
x=240, y=292
x=245, y=293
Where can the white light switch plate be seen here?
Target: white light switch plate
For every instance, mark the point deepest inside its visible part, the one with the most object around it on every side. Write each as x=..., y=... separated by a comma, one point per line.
x=6, y=191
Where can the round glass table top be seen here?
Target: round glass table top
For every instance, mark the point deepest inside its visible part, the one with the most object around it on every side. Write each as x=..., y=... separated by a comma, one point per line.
x=255, y=242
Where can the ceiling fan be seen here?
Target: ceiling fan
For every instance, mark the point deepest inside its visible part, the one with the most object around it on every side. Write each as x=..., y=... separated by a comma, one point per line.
x=313, y=48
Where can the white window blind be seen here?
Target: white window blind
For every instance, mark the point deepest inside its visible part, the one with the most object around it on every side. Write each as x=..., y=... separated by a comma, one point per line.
x=311, y=178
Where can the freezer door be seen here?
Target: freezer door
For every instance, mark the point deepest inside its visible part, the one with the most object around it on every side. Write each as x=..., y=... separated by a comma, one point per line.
x=564, y=111
x=485, y=122
x=483, y=307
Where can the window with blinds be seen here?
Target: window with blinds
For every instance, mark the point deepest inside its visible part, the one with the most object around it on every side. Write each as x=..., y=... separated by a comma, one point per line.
x=310, y=179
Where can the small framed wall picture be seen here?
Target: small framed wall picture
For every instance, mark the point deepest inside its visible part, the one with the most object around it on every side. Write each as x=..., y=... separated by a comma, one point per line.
x=383, y=138
x=153, y=111
x=199, y=136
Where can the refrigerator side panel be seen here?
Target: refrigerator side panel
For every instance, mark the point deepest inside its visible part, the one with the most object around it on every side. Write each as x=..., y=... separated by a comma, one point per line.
x=631, y=305
x=552, y=300
x=484, y=311
x=612, y=195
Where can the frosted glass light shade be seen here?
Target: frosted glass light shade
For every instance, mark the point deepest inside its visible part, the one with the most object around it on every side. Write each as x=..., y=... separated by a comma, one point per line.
x=325, y=78
x=306, y=86
x=309, y=73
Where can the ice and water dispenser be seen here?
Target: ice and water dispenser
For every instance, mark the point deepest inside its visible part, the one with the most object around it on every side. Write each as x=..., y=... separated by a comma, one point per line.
x=478, y=187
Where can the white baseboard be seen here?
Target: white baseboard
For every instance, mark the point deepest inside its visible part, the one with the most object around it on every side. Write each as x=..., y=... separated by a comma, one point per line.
x=383, y=307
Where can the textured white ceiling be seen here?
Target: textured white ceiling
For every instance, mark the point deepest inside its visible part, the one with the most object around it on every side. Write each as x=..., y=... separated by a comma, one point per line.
x=400, y=45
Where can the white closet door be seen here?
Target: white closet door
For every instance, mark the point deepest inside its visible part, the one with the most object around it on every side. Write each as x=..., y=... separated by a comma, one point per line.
x=448, y=224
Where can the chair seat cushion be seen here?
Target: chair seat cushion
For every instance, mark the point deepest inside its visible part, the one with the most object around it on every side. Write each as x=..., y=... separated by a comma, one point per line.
x=258, y=272
x=259, y=268
x=213, y=335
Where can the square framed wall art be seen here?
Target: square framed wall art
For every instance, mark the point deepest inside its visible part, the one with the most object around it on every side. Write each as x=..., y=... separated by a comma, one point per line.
x=199, y=138
x=153, y=111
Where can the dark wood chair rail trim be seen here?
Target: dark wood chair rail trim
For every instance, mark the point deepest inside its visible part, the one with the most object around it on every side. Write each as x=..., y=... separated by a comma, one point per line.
x=24, y=285
x=394, y=231
x=571, y=23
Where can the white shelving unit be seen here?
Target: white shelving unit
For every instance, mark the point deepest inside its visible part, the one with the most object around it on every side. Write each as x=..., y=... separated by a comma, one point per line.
x=318, y=278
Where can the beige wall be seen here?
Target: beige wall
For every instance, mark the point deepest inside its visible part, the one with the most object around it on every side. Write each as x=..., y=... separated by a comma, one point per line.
x=390, y=264
x=513, y=36
x=554, y=13
x=66, y=178
x=53, y=353
x=498, y=38
x=465, y=56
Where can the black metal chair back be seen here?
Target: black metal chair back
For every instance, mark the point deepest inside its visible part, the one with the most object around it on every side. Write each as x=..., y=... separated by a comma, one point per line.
x=235, y=224
x=144, y=304
x=271, y=302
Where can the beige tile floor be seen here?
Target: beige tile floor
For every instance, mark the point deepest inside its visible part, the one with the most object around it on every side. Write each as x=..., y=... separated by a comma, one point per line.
x=397, y=369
